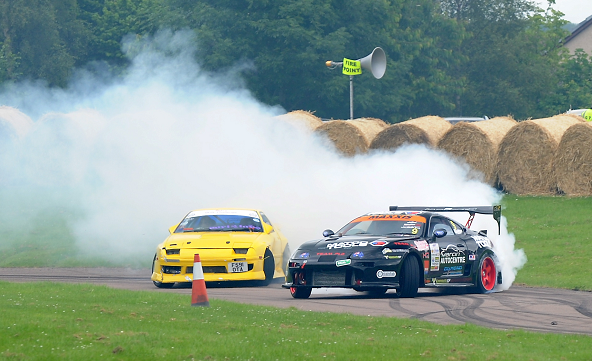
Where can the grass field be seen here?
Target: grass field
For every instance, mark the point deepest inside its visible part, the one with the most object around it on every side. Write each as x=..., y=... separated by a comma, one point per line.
x=47, y=321
x=556, y=235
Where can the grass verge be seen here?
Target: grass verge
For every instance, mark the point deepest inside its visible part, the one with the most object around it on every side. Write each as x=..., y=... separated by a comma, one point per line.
x=556, y=235
x=52, y=321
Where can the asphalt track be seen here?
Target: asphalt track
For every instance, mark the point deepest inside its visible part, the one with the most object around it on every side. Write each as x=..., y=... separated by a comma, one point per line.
x=533, y=309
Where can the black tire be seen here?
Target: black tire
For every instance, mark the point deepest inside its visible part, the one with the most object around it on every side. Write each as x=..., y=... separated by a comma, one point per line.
x=160, y=284
x=409, y=278
x=268, y=267
x=163, y=285
x=285, y=258
x=300, y=292
x=486, y=277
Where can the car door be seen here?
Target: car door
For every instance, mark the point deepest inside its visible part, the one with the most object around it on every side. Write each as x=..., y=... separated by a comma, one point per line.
x=451, y=250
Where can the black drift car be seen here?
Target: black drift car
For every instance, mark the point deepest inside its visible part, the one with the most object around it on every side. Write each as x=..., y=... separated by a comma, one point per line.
x=404, y=249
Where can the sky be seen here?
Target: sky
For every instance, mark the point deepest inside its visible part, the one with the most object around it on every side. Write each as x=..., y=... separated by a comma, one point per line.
x=575, y=11
x=125, y=158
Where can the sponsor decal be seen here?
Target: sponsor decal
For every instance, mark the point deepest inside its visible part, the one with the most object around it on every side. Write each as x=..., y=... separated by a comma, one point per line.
x=425, y=255
x=435, y=259
x=379, y=243
x=451, y=254
x=357, y=254
x=426, y=266
x=422, y=245
x=471, y=257
x=452, y=268
x=380, y=274
x=330, y=253
x=391, y=217
x=401, y=243
x=393, y=257
x=386, y=250
x=343, y=262
x=448, y=260
x=414, y=231
x=483, y=241
x=347, y=244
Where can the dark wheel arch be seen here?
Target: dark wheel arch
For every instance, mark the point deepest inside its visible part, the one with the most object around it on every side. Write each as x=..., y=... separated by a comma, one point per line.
x=285, y=258
x=160, y=284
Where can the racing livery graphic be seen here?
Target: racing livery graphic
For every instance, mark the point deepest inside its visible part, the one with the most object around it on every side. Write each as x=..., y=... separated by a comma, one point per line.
x=404, y=249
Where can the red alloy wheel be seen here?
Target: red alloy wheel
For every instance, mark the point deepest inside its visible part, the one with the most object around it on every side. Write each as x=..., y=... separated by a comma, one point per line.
x=488, y=274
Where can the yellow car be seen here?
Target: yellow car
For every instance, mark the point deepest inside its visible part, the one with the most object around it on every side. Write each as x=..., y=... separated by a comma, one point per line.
x=233, y=245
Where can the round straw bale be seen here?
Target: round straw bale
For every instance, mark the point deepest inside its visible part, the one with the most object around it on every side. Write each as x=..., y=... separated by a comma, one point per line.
x=351, y=137
x=526, y=154
x=370, y=127
x=425, y=130
x=476, y=143
x=14, y=121
x=573, y=160
x=302, y=119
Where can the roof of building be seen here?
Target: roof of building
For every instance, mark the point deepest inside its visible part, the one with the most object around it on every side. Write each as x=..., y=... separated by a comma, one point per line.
x=578, y=29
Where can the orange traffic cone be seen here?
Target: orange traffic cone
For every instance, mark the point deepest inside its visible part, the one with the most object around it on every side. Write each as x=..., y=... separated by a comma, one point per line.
x=199, y=296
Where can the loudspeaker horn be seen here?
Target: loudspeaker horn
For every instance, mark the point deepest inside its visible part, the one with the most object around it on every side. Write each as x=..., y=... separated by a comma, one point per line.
x=375, y=62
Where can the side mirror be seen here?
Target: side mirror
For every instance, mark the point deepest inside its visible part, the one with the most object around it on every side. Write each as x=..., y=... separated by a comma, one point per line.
x=267, y=228
x=483, y=232
x=172, y=229
x=328, y=233
x=439, y=233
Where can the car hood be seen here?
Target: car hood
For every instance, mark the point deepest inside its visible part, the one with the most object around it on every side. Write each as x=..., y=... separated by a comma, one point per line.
x=211, y=240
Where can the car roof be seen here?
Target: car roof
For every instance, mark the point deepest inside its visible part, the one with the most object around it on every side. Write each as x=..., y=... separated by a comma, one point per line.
x=226, y=209
x=454, y=120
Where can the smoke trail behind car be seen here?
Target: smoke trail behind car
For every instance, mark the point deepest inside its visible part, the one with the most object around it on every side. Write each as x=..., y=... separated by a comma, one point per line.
x=133, y=154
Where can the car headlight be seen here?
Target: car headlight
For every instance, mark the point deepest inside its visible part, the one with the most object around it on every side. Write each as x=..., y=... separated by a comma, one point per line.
x=301, y=255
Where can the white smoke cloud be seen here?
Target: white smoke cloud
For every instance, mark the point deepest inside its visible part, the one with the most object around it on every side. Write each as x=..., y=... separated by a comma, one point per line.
x=136, y=153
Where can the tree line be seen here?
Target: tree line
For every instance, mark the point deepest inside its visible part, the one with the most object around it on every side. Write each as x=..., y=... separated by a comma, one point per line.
x=445, y=57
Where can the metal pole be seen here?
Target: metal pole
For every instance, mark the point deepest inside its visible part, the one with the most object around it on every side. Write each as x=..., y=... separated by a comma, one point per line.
x=351, y=97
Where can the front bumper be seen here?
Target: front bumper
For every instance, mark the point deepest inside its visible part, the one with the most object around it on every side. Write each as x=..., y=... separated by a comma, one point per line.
x=215, y=264
x=359, y=275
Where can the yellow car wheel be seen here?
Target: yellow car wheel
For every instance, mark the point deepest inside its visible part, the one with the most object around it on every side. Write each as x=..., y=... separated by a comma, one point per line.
x=268, y=266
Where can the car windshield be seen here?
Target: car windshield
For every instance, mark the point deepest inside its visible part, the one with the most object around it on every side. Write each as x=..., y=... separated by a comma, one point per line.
x=221, y=221
x=385, y=225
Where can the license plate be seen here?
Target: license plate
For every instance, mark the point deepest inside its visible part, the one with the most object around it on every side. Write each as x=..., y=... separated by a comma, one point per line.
x=234, y=267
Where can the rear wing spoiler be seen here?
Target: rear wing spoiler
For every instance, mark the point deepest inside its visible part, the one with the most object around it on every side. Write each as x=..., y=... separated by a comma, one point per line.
x=496, y=211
